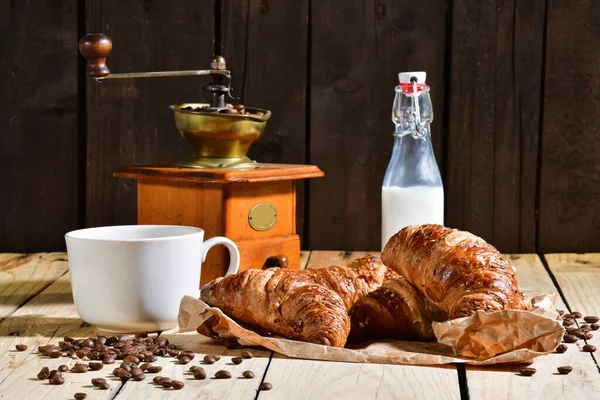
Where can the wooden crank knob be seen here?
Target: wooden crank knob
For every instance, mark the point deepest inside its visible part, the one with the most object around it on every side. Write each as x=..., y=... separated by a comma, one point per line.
x=95, y=48
x=279, y=261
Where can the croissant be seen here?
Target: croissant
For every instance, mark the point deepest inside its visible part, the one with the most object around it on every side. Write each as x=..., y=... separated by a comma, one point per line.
x=282, y=302
x=456, y=271
x=354, y=281
x=396, y=310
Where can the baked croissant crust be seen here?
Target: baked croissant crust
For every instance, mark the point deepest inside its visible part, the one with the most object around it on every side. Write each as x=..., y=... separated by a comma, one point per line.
x=456, y=271
x=282, y=302
x=396, y=310
x=354, y=281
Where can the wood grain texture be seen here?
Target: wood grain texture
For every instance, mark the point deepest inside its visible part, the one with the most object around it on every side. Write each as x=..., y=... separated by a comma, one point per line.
x=336, y=380
x=578, y=276
x=495, y=105
x=23, y=276
x=570, y=172
x=507, y=383
x=39, y=140
x=356, y=54
x=265, y=43
x=129, y=121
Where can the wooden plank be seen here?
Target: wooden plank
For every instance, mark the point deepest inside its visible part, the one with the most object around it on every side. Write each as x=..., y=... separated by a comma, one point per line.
x=39, y=162
x=506, y=383
x=353, y=75
x=570, y=178
x=23, y=276
x=266, y=45
x=313, y=379
x=578, y=276
x=129, y=121
x=495, y=103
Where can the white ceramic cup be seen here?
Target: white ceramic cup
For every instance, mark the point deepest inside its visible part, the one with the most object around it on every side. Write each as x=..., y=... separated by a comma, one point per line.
x=132, y=278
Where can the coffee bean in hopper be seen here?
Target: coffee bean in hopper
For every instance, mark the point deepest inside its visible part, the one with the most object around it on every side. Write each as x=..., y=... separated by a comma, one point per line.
x=562, y=348
x=564, y=370
x=222, y=374
x=527, y=371
x=79, y=396
x=268, y=386
x=21, y=347
x=177, y=385
x=588, y=348
x=248, y=374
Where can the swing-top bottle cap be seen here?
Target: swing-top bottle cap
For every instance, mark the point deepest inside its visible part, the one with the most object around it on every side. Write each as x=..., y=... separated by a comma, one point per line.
x=405, y=77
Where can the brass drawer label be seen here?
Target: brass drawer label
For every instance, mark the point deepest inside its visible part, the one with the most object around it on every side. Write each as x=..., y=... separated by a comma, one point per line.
x=262, y=216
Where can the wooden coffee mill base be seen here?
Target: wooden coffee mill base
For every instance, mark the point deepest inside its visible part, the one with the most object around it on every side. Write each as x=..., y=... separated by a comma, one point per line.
x=256, y=208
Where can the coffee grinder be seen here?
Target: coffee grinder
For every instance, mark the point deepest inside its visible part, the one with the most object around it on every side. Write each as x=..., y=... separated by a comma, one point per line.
x=218, y=188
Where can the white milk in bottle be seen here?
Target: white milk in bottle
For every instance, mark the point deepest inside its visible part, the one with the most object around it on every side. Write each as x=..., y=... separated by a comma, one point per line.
x=412, y=192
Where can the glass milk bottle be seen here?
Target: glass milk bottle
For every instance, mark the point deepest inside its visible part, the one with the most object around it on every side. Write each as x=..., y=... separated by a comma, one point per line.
x=412, y=192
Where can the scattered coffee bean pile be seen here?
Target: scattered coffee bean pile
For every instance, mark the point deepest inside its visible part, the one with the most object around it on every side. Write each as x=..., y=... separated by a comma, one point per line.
x=136, y=355
x=231, y=109
x=573, y=334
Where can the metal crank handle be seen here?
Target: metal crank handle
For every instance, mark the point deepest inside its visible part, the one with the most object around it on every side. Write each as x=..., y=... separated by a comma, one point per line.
x=96, y=47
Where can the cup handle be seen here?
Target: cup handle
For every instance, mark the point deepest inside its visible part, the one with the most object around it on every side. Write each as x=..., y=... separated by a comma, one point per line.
x=234, y=253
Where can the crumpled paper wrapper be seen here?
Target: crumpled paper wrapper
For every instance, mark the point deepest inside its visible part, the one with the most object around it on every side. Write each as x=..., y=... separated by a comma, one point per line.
x=501, y=337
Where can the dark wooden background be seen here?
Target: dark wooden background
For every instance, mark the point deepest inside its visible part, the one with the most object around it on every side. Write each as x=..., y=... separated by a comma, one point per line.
x=515, y=84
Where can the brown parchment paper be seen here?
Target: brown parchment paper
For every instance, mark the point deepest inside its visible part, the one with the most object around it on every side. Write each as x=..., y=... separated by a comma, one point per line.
x=482, y=339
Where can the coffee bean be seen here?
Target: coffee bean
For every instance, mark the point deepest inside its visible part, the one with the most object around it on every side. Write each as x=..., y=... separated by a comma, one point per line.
x=161, y=341
x=55, y=354
x=141, y=335
x=173, y=353
x=561, y=348
x=568, y=322
x=577, y=332
x=63, y=368
x=177, y=385
x=570, y=338
x=144, y=367
x=588, y=348
x=189, y=354
x=101, y=340
x=171, y=346
x=165, y=382
x=595, y=327
x=21, y=347
x=125, y=377
x=237, y=360
x=81, y=353
x=96, y=366
x=238, y=106
x=109, y=360
x=88, y=343
x=68, y=339
x=222, y=374
x=132, y=359
x=98, y=381
x=93, y=355
x=79, y=368
x=577, y=314
x=118, y=372
x=103, y=386
x=564, y=370
x=184, y=360
x=78, y=342
x=157, y=379
x=591, y=319
x=527, y=371
x=193, y=368
x=588, y=336
x=585, y=328
x=125, y=338
x=210, y=359
x=136, y=371
x=260, y=114
x=45, y=350
x=248, y=374
x=126, y=366
x=56, y=379
x=229, y=105
x=232, y=343
x=44, y=374
x=79, y=396
x=70, y=353
x=246, y=354
x=111, y=341
x=139, y=377
x=199, y=373
x=54, y=372
x=268, y=386
x=153, y=369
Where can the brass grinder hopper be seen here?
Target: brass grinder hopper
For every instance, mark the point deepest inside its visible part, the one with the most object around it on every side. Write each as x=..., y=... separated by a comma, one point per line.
x=218, y=133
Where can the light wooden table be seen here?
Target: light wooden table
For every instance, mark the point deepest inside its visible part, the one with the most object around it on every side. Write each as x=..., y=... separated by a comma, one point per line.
x=36, y=308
